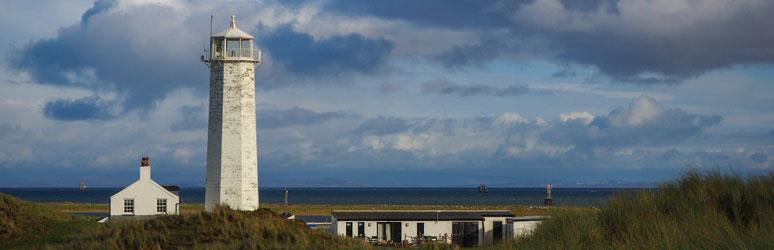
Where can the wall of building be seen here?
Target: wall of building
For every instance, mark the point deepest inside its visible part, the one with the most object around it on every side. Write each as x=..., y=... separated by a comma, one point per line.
x=144, y=192
x=489, y=228
x=409, y=228
x=232, y=150
x=524, y=228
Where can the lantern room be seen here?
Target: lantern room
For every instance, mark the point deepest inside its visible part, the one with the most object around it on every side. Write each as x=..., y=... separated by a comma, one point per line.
x=233, y=44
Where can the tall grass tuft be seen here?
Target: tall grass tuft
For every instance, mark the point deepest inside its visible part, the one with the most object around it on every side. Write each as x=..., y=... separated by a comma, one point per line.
x=23, y=218
x=698, y=211
x=222, y=228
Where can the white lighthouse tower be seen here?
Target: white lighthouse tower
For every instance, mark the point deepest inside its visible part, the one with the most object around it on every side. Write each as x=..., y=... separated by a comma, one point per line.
x=232, y=149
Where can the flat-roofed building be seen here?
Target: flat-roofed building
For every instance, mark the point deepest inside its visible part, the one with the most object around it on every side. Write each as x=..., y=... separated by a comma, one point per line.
x=459, y=227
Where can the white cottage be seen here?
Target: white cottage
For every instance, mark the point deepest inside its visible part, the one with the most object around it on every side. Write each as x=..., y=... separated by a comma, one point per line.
x=464, y=228
x=145, y=197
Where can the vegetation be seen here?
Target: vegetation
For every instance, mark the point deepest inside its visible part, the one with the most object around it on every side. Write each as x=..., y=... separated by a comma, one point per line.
x=24, y=223
x=699, y=211
x=222, y=228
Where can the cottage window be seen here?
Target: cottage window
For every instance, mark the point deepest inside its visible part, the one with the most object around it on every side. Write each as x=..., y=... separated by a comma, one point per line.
x=161, y=205
x=129, y=206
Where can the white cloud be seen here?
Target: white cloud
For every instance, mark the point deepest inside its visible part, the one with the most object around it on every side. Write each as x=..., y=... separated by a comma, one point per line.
x=510, y=119
x=583, y=116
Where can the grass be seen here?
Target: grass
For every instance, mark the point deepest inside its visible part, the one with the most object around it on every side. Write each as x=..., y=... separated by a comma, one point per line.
x=698, y=211
x=26, y=224
x=31, y=225
x=221, y=229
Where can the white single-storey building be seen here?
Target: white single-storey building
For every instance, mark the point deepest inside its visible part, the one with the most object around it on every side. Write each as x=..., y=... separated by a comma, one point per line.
x=525, y=225
x=145, y=197
x=463, y=227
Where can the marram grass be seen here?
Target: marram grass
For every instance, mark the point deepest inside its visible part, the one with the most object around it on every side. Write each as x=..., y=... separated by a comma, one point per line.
x=698, y=211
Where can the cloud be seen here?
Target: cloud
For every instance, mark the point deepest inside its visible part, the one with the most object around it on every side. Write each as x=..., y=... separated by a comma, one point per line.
x=446, y=87
x=583, y=116
x=759, y=157
x=191, y=118
x=279, y=118
x=645, y=42
x=644, y=122
x=301, y=54
x=382, y=126
x=656, y=41
x=141, y=53
x=456, y=14
x=87, y=108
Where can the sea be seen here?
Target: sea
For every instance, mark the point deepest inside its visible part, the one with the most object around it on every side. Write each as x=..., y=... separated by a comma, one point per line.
x=361, y=195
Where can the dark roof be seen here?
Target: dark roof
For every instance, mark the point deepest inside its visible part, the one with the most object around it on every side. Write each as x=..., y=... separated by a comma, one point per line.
x=171, y=188
x=530, y=218
x=314, y=218
x=426, y=215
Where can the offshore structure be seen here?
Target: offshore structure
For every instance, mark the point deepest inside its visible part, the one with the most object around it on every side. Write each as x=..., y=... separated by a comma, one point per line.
x=232, y=145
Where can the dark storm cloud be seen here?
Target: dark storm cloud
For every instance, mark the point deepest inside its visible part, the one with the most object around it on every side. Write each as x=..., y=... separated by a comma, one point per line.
x=453, y=14
x=279, y=118
x=87, y=108
x=147, y=51
x=661, y=47
x=299, y=52
x=98, y=7
x=743, y=34
x=128, y=53
x=446, y=87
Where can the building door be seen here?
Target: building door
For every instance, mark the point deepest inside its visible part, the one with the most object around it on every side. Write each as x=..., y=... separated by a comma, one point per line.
x=420, y=229
x=361, y=229
x=497, y=231
x=465, y=233
x=349, y=229
x=389, y=231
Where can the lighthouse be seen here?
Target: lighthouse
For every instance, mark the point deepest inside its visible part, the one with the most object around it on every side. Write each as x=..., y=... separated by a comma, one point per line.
x=232, y=148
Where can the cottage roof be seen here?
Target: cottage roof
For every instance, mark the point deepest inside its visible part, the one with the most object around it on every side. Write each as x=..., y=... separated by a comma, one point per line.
x=233, y=32
x=314, y=218
x=171, y=188
x=529, y=218
x=426, y=215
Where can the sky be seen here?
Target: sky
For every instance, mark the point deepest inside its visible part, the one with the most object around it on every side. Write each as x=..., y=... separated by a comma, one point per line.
x=401, y=93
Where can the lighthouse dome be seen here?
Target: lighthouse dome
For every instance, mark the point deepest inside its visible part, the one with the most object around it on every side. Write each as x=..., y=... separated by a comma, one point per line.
x=233, y=32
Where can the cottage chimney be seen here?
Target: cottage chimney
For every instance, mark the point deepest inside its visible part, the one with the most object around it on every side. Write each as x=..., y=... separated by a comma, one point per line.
x=145, y=168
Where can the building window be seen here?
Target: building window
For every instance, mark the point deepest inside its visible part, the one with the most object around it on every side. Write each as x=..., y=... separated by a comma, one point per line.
x=161, y=205
x=129, y=206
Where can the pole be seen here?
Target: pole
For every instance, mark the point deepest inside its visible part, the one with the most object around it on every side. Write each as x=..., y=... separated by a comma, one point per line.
x=209, y=39
x=286, y=200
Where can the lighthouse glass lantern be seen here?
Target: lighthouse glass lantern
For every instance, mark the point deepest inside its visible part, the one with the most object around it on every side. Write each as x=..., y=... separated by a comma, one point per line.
x=233, y=44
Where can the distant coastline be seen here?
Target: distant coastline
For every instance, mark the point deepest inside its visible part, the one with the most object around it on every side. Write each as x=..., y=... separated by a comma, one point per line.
x=378, y=196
